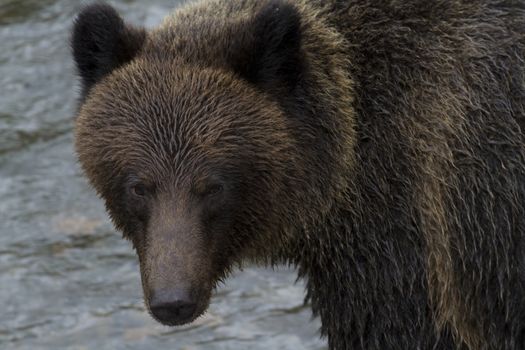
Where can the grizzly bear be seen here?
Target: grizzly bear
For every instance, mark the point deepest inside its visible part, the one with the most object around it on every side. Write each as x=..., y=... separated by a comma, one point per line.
x=376, y=145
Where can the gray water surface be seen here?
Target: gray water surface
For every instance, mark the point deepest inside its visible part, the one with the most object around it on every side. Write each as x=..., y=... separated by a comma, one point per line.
x=67, y=279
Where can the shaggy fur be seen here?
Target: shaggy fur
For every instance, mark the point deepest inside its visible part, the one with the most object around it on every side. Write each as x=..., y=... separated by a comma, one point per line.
x=376, y=145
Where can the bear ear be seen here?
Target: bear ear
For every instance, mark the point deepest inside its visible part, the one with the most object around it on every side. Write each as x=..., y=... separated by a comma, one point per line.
x=271, y=59
x=101, y=42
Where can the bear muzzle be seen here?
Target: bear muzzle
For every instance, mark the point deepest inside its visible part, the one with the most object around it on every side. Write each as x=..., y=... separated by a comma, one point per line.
x=172, y=307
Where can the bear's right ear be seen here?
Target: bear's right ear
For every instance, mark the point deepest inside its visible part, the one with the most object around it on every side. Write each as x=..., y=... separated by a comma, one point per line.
x=101, y=42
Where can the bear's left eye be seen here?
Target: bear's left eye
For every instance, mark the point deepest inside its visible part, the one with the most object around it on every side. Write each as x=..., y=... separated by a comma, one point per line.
x=213, y=189
x=210, y=190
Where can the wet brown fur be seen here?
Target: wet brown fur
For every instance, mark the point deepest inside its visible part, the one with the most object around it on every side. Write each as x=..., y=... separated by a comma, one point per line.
x=376, y=145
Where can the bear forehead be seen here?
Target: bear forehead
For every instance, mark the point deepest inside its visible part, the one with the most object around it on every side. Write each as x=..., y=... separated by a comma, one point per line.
x=189, y=100
x=149, y=111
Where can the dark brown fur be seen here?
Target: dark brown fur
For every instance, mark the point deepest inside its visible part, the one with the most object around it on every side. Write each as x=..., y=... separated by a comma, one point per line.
x=377, y=145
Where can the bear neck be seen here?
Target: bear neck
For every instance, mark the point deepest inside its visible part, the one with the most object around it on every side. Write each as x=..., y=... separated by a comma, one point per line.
x=321, y=111
x=350, y=249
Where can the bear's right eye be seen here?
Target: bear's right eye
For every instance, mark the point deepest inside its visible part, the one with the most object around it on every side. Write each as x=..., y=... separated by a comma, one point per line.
x=138, y=190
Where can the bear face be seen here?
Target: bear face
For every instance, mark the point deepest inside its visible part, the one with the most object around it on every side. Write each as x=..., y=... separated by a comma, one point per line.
x=190, y=159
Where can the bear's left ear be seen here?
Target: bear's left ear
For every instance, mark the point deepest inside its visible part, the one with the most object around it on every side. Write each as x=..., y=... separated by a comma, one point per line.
x=101, y=42
x=270, y=55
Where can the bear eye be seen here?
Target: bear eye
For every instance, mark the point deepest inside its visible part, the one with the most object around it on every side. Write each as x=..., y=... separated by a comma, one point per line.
x=211, y=190
x=138, y=190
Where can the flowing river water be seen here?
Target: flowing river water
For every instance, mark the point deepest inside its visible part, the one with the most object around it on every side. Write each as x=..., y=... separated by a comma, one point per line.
x=67, y=279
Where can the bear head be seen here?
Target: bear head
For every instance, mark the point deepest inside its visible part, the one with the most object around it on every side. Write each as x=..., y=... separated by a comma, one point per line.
x=183, y=132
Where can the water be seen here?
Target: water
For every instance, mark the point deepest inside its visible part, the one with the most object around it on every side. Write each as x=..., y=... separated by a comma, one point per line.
x=67, y=279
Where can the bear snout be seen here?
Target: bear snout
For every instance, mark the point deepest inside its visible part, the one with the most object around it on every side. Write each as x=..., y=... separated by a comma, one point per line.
x=173, y=307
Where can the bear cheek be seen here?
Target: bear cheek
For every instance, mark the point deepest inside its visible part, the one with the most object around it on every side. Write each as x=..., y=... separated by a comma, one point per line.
x=221, y=235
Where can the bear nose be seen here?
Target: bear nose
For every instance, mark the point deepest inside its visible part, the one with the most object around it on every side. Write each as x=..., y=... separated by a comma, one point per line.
x=171, y=308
